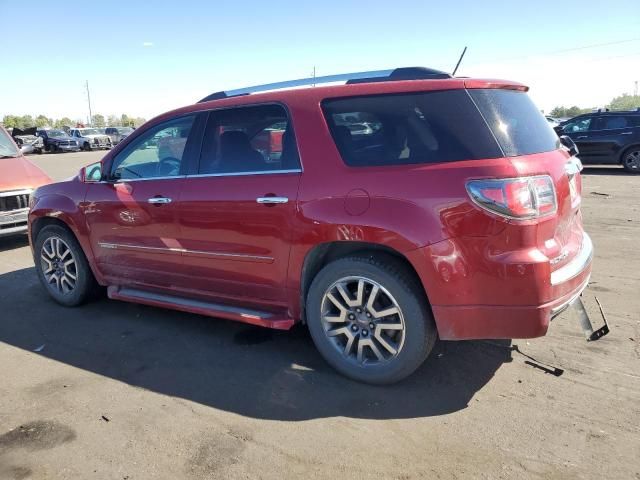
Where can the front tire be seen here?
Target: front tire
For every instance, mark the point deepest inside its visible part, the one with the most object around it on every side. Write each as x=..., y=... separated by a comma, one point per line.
x=631, y=159
x=86, y=147
x=369, y=318
x=62, y=267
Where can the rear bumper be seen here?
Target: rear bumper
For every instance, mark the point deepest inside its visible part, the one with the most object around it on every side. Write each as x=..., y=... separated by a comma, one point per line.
x=497, y=321
x=475, y=296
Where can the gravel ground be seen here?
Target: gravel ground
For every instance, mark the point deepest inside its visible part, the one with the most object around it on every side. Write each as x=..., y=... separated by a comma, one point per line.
x=121, y=391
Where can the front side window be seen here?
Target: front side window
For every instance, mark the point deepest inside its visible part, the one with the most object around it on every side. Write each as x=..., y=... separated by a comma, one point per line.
x=256, y=139
x=7, y=147
x=577, y=126
x=159, y=152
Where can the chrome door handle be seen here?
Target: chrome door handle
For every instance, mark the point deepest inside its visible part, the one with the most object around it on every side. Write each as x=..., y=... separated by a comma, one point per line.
x=271, y=200
x=159, y=200
x=626, y=133
x=583, y=136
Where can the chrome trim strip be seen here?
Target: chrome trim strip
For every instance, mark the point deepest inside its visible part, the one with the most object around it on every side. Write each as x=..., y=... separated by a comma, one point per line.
x=575, y=266
x=127, y=180
x=239, y=174
x=561, y=308
x=12, y=193
x=120, y=246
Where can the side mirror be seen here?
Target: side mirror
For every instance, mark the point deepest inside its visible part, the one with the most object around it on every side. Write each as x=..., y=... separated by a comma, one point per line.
x=569, y=144
x=91, y=173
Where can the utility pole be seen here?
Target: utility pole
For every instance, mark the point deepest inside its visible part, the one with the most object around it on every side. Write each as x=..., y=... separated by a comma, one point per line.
x=314, y=76
x=89, y=101
x=635, y=88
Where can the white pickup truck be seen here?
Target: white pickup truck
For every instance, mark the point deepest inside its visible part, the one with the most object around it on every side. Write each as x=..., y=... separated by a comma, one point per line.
x=91, y=139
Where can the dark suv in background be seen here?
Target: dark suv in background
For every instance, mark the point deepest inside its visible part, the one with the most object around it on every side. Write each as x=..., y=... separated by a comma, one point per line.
x=606, y=137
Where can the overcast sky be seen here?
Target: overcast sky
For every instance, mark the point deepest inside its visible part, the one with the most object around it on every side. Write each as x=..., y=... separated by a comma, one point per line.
x=143, y=59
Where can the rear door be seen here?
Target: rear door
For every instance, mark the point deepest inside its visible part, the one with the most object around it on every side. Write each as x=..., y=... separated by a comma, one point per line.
x=236, y=211
x=608, y=137
x=132, y=214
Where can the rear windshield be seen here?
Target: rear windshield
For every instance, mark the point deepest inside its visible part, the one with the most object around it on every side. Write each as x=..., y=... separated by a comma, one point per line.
x=516, y=122
x=440, y=126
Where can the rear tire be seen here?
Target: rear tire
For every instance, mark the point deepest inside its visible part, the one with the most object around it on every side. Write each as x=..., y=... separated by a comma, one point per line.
x=345, y=322
x=62, y=267
x=630, y=159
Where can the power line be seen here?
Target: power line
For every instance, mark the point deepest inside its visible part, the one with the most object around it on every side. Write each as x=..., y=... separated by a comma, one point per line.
x=564, y=50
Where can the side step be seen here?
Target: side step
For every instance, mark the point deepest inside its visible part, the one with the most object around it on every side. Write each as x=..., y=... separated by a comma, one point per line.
x=254, y=317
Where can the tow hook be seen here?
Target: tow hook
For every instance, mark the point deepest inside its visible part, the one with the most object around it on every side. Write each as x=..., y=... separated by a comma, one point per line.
x=591, y=335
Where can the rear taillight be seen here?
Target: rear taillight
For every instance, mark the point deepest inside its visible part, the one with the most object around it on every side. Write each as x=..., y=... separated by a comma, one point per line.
x=519, y=198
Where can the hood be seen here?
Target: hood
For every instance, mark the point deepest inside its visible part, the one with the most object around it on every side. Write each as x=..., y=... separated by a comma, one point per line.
x=27, y=131
x=19, y=173
x=64, y=138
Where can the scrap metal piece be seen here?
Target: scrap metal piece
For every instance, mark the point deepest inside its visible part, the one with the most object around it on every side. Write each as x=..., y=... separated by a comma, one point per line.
x=585, y=322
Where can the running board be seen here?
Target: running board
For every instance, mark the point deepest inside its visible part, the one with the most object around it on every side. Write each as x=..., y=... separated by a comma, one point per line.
x=254, y=317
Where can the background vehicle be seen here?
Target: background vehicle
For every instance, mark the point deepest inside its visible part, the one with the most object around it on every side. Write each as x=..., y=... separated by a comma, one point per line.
x=27, y=140
x=606, y=137
x=18, y=178
x=117, y=134
x=90, y=138
x=454, y=213
x=554, y=122
x=58, y=141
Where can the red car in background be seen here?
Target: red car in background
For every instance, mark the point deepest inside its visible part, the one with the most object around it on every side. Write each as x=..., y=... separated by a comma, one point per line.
x=18, y=179
x=402, y=206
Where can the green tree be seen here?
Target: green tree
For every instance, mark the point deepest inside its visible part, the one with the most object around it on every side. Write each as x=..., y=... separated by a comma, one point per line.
x=113, y=121
x=625, y=102
x=26, y=121
x=42, y=121
x=10, y=121
x=98, y=120
x=63, y=122
x=138, y=121
x=126, y=121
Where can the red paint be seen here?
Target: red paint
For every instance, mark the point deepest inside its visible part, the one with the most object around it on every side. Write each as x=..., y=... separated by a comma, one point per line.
x=485, y=276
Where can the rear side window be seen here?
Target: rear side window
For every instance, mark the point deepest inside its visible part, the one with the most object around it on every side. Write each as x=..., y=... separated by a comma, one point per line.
x=248, y=140
x=401, y=129
x=515, y=121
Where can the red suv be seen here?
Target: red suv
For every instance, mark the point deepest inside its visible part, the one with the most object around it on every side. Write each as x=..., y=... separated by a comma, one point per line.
x=401, y=206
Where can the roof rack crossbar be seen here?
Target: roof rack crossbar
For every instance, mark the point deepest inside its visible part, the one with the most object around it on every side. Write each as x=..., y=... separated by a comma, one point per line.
x=409, y=73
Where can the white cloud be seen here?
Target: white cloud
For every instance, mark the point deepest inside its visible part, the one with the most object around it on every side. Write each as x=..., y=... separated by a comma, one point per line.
x=147, y=44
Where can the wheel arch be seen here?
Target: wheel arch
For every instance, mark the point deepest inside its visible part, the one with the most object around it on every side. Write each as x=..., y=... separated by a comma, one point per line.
x=626, y=150
x=324, y=253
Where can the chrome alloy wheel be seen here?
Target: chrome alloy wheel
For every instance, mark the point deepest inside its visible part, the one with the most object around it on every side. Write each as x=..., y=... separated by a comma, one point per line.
x=632, y=160
x=59, y=266
x=363, y=320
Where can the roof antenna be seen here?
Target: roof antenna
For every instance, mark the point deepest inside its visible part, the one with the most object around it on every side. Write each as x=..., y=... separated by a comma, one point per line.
x=459, y=60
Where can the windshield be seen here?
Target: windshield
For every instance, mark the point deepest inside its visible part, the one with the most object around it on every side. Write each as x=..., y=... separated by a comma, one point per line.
x=56, y=133
x=89, y=131
x=7, y=147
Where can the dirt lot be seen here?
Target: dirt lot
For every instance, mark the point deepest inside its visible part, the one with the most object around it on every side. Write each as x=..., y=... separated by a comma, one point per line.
x=120, y=391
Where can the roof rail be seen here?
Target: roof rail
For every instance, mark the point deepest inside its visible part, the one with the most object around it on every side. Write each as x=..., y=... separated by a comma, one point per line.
x=397, y=74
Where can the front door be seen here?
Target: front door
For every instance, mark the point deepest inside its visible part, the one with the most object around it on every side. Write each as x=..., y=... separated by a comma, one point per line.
x=132, y=213
x=237, y=212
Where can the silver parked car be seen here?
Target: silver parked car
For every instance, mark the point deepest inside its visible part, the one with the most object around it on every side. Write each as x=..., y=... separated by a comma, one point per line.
x=117, y=134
